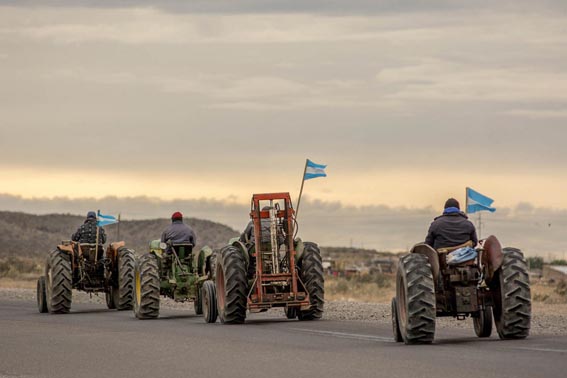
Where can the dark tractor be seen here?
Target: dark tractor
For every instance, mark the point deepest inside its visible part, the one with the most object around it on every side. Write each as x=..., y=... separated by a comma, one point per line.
x=493, y=285
x=86, y=267
x=272, y=269
x=173, y=271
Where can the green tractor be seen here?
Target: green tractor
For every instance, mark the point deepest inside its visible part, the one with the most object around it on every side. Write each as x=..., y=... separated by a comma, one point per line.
x=172, y=270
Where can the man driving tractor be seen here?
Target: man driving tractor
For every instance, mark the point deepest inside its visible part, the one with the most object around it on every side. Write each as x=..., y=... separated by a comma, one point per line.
x=452, y=228
x=86, y=233
x=178, y=232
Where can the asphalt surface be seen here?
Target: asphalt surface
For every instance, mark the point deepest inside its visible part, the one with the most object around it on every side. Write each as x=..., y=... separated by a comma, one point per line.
x=92, y=341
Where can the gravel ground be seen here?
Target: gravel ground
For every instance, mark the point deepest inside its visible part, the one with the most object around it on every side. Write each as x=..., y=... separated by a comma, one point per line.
x=546, y=319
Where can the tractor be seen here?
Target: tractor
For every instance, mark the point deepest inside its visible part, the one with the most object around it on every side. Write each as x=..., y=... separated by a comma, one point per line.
x=172, y=271
x=269, y=268
x=494, y=284
x=86, y=267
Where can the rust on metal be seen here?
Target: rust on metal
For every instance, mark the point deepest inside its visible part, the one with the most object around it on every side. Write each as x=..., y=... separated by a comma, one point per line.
x=491, y=256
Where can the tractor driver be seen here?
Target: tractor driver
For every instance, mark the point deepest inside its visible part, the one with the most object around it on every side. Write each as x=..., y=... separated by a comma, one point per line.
x=452, y=228
x=87, y=231
x=248, y=234
x=178, y=232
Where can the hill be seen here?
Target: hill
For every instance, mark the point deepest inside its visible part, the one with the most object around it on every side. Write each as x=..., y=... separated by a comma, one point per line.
x=27, y=235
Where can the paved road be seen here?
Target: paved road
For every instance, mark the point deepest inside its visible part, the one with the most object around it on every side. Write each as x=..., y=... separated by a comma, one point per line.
x=95, y=342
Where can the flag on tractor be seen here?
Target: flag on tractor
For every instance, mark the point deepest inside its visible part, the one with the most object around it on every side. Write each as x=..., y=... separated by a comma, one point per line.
x=103, y=220
x=478, y=202
x=313, y=170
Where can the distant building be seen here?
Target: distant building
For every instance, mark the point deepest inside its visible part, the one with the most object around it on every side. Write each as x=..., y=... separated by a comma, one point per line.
x=554, y=273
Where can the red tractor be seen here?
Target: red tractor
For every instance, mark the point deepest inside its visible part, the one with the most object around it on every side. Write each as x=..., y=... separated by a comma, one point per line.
x=494, y=284
x=269, y=267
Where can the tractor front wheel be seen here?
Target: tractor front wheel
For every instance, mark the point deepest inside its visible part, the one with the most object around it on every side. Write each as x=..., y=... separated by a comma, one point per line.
x=415, y=295
x=511, y=294
x=209, y=302
x=483, y=323
x=198, y=302
x=146, y=288
x=311, y=273
x=395, y=323
x=231, y=285
x=59, y=283
x=41, y=297
x=109, y=296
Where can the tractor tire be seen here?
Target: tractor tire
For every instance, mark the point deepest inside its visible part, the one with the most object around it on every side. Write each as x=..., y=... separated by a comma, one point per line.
x=209, y=308
x=512, y=308
x=291, y=312
x=146, y=288
x=59, y=283
x=415, y=296
x=483, y=323
x=231, y=285
x=109, y=296
x=311, y=273
x=123, y=295
x=212, y=262
x=395, y=323
x=41, y=296
x=198, y=302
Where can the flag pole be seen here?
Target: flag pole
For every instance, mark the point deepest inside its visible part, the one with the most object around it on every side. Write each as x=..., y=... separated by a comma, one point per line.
x=479, y=225
x=301, y=190
x=97, y=232
x=118, y=229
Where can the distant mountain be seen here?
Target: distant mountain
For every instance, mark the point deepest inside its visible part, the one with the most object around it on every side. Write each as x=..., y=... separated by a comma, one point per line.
x=27, y=235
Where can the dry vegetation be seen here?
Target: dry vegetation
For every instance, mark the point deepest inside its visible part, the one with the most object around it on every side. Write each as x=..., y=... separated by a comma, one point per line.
x=33, y=236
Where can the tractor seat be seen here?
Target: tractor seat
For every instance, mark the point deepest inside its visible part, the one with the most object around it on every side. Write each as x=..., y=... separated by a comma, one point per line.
x=451, y=249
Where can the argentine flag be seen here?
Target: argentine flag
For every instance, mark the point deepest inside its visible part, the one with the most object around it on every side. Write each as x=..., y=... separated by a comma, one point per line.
x=313, y=170
x=104, y=220
x=478, y=202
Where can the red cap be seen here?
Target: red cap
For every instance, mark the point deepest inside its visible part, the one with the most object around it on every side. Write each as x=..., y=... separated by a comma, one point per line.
x=176, y=216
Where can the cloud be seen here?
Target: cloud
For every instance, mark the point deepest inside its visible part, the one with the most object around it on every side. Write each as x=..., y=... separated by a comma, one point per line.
x=298, y=6
x=536, y=230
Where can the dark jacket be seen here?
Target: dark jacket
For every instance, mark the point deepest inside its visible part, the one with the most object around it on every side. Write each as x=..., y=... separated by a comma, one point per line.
x=179, y=233
x=450, y=230
x=87, y=233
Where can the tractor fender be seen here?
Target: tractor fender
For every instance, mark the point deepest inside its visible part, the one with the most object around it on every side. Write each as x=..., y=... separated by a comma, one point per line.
x=491, y=256
x=113, y=248
x=68, y=249
x=299, y=248
x=204, y=253
x=242, y=247
x=432, y=257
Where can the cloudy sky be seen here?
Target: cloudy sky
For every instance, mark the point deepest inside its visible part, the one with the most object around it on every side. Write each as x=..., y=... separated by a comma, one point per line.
x=202, y=104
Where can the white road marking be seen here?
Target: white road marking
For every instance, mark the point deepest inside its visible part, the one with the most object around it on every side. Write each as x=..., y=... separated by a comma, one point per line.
x=344, y=335
x=542, y=349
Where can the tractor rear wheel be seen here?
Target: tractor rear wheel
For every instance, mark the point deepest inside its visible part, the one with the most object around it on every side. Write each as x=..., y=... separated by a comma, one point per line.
x=209, y=297
x=415, y=295
x=41, y=300
x=483, y=323
x=395, y=323
x=59, y=283
x=123, y=295
x=311, y=273
x=231, y=285
x=146, y=288
x=512, y=298
x=198, y=302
